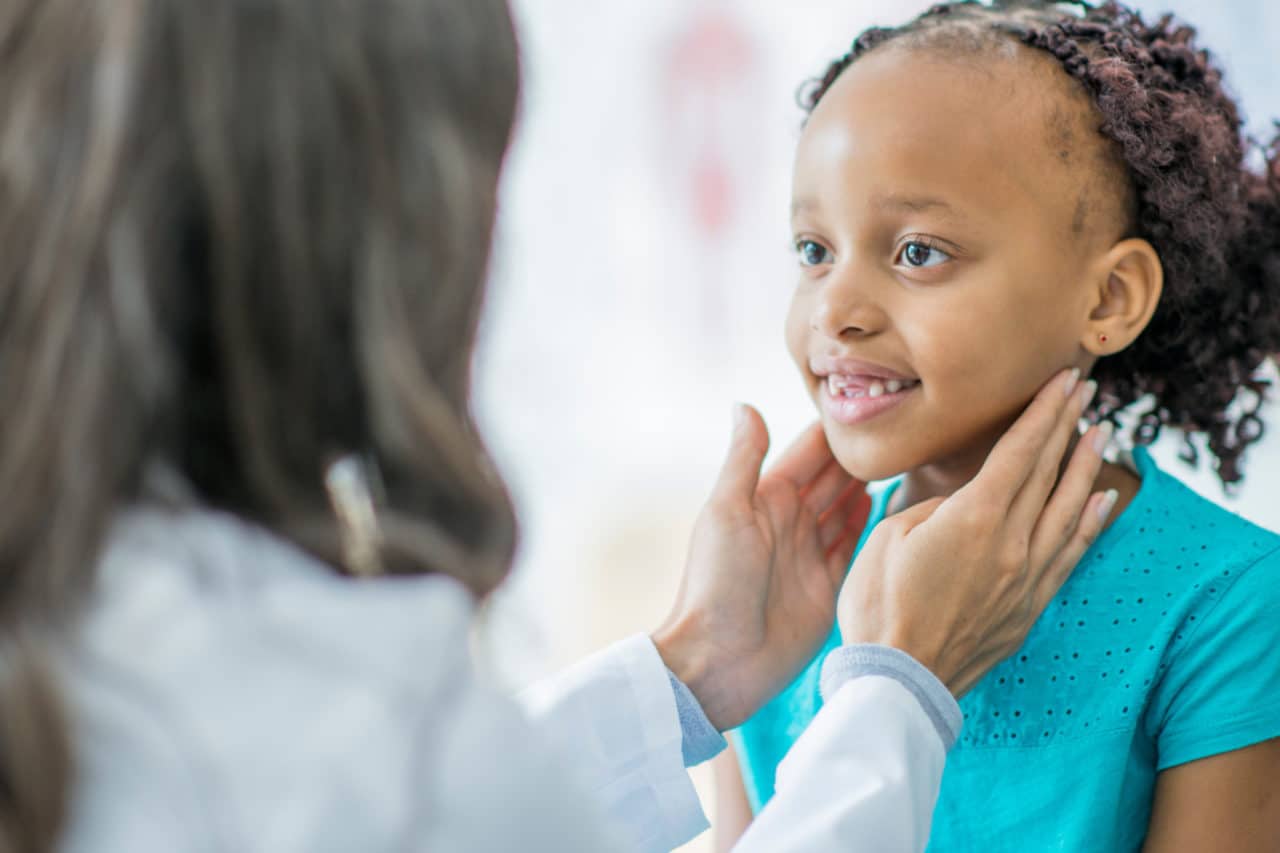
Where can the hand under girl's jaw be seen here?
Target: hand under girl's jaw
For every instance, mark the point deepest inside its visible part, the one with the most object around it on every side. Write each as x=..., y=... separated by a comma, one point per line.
x=954, y=254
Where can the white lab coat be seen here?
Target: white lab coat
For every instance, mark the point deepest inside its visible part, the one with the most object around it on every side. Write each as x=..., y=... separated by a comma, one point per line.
x=863, y=777
x=228, y=693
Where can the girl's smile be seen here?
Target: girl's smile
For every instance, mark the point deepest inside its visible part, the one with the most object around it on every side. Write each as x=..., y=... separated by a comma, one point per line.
x=852, y=391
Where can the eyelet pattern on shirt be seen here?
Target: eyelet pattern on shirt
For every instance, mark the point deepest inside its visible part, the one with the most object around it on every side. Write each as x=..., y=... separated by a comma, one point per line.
x=1091, y=660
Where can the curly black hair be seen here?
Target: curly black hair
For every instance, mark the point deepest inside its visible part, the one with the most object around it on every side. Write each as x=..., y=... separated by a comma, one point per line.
x=1166, y=120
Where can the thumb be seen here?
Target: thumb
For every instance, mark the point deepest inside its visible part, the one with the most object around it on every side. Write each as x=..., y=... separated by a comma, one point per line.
x=741, y=470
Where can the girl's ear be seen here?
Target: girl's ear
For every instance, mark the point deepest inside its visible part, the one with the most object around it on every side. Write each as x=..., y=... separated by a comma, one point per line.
x=1130, y=279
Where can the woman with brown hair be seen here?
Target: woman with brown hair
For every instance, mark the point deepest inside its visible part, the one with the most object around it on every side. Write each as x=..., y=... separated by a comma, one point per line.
x=247, y=510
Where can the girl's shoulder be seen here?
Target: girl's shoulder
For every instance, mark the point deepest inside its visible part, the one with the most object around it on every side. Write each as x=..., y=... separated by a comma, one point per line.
x=1171, y=526
x=1178, y=592
x=1172, y=563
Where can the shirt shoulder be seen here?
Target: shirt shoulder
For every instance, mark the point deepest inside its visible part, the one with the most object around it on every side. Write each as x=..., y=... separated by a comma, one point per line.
x=248, y=695
x=1129, y=623
x=1171, y=547
x=1184, y=519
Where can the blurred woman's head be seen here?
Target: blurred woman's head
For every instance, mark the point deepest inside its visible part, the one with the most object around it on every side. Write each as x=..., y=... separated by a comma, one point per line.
x=246, y=237
x=242, y=239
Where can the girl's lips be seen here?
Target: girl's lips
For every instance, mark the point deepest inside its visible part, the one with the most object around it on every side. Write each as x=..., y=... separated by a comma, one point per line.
x=855, y=410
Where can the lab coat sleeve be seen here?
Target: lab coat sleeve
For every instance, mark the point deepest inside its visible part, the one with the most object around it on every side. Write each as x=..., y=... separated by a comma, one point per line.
x=864, y=775
x=614, y=717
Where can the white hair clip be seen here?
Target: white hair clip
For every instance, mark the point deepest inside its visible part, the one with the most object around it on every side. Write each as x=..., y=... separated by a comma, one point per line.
x=347, y=482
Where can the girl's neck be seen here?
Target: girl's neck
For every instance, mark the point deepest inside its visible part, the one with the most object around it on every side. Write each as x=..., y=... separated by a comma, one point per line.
x=942, y=479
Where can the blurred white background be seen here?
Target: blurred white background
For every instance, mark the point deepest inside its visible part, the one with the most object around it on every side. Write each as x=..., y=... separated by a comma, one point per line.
x=641, y=278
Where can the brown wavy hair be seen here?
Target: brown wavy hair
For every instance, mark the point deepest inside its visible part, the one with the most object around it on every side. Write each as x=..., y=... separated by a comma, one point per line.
x=1165, y=118
x=242, y=239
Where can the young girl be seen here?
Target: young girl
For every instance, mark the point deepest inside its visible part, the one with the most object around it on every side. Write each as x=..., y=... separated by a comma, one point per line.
x=979, y=196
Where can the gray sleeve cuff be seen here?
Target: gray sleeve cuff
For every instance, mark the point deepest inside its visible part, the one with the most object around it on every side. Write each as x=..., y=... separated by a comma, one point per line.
x=848, y=662
x=699, y=739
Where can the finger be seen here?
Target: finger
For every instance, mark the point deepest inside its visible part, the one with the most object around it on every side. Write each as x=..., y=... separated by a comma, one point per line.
x=1060, y=517
x=740, y=473
x=1092, y=520
x=1014, y=456
x=833, y=522
x=913, y=516
x=840, y=552
x=1030, y=500
x=826, y=488
x=805, y=459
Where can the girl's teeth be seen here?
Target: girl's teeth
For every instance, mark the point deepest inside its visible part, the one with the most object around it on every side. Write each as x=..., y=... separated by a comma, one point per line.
x=841, y=387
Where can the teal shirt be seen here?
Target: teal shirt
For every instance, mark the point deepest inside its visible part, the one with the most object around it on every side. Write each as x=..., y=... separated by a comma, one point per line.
x=1163, y=647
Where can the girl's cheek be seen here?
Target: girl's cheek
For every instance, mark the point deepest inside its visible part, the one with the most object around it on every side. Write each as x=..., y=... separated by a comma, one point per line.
x=797, y=328
x=944, y=349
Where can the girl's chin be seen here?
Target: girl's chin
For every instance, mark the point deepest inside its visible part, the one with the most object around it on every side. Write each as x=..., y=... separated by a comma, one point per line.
x=867, y=462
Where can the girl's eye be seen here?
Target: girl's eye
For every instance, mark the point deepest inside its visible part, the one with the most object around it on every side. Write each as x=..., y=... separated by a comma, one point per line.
x=812, y=254
x=922, y=255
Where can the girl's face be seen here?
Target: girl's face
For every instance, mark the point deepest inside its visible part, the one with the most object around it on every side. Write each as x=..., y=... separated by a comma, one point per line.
x=940, y=215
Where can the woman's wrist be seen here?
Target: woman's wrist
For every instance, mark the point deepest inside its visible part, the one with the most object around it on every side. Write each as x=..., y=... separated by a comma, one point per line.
x=851, y=661
x=926, y=654
x=684, y=651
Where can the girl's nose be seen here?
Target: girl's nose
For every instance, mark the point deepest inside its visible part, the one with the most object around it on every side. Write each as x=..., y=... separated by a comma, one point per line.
x=846, y=308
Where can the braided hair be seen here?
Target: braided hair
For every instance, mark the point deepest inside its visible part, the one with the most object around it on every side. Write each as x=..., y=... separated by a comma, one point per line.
x=1166, y=121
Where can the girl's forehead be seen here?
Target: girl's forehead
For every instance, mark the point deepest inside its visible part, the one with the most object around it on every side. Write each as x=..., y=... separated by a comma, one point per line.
x=993, y=129
x=1024, y=92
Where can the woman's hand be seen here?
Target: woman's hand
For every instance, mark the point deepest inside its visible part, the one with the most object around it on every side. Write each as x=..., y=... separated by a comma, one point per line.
x=765, y=566
x=958, y=582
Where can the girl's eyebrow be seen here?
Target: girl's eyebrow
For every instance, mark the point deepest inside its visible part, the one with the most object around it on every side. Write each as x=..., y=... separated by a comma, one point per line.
x=803, y=205
x=892, y=201
x=914, y=203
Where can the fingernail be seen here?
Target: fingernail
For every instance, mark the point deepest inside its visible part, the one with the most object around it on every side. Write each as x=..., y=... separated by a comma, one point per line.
x=1086, y=396
x=739, y=417
x=1103, y=436
x=1108, y=504
x=1072, y=379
